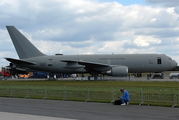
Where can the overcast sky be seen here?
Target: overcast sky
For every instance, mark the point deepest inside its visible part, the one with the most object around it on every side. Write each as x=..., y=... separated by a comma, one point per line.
x=92, y=26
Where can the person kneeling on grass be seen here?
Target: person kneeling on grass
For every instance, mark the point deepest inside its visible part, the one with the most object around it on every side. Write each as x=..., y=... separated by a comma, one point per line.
x=125, y=98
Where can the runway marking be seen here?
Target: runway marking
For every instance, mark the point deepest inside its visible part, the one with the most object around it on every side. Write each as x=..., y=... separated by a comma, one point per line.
x=17, y=116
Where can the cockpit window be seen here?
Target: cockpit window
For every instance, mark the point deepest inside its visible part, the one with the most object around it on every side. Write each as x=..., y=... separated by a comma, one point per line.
x=169, y=59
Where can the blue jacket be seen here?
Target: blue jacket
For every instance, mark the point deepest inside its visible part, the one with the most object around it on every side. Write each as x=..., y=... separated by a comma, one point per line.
x=126, y=95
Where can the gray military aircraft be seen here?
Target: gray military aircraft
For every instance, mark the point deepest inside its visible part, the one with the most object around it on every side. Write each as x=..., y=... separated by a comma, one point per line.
x=110, y=64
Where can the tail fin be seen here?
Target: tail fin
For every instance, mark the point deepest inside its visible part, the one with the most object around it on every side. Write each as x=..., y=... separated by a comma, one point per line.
x=24, y=48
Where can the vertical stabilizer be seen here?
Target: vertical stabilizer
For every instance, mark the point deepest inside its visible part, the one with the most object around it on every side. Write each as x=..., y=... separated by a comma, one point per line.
x=24, y=48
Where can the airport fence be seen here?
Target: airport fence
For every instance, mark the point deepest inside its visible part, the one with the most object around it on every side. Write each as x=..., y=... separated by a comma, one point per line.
x=141, y=96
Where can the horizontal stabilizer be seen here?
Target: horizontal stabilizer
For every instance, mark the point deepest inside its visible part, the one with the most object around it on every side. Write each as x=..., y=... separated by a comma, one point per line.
x=21, y=62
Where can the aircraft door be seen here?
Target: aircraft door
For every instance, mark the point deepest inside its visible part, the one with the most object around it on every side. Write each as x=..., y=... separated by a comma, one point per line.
x=159, y=61
x=50, y=62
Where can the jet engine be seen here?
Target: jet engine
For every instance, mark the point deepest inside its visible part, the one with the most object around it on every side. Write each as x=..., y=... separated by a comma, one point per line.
x=16, y=70
x=120, y=71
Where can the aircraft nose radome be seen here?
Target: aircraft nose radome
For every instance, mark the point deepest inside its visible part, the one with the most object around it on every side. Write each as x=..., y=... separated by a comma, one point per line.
x=175, y=63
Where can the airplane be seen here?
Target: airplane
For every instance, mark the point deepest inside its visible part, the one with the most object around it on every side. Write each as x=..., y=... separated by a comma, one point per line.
x=106, y=64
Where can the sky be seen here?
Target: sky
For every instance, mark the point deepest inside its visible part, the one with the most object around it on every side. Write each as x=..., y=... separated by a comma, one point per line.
x=72, y=27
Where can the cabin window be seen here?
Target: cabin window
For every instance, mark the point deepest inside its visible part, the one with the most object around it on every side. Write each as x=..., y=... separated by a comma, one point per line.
x=159, y=61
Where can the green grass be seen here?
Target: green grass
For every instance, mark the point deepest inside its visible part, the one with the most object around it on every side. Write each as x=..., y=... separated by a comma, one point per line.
x=140, y=84
x=154, y=92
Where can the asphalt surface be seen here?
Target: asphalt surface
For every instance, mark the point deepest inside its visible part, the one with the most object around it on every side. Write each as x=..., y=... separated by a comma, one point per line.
x=28, y=109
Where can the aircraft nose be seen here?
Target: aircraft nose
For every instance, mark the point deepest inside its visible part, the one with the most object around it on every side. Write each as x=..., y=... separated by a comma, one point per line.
x=174, y=63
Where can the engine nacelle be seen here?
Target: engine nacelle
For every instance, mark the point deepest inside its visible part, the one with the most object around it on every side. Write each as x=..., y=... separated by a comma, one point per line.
x=120, y=71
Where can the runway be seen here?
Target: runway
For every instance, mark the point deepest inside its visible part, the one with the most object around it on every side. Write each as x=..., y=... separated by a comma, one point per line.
x=28, y=109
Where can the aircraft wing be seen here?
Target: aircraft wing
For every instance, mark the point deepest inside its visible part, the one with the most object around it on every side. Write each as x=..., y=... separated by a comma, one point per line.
x=21, y=62
x=87, y=65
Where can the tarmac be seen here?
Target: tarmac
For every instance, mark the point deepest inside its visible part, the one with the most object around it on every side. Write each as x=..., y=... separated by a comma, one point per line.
x=36, y=109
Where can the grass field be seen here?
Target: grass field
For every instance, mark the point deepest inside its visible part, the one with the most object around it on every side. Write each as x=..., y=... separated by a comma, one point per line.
x=139, y=84
x=148, y=92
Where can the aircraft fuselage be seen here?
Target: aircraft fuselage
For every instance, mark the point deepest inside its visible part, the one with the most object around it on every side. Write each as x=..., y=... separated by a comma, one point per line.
x=109, y=64
x=135, y=62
